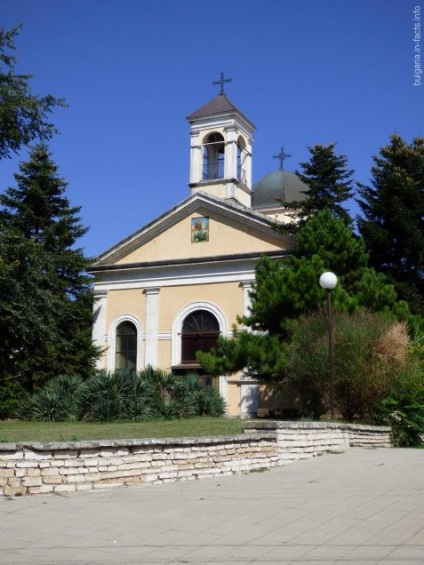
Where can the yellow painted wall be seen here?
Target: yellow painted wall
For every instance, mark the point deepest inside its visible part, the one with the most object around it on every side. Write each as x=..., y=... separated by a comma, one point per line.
x=122, y=302
x=228, y=297
x=225, y=238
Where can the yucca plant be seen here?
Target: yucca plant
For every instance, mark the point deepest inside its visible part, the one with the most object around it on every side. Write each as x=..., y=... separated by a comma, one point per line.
x=58, y=401
x=209, y=402
x=137, y=399
x=103, y=397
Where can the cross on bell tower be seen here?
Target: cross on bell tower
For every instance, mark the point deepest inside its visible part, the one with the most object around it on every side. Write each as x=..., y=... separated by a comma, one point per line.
x=221, y=82
x=282, y=156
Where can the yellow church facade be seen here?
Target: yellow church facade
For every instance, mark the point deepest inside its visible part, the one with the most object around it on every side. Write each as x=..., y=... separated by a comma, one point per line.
x=171, y=288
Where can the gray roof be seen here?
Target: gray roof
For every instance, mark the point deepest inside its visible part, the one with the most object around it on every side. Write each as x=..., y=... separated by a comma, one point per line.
x=276, y=187
x=219, y=105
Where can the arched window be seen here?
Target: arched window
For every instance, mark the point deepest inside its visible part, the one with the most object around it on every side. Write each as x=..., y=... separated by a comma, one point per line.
x=213, y=157
x=126, y=346
x=200, y=332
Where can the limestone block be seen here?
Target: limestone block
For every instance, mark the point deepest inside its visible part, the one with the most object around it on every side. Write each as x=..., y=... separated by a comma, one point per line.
x=108, y=484
x=133, y=465
x=14, y=491
x=31, y=481
x=150, y=478
x=14, y=483
x=64, y=488
x=169, y=475
x=6, y=473
x=104, y=469
x=34, y=472
x=11, y=456
x=94, y=477
x=85, y=463
x=51, y=472
x=73, y=479
x=69, y=471
x=159, y=456
x=113, y=452
x=42, y=489
x=88, y=453
x=65, y=454
x=57, y=463
x=30, y=455
x=53, y=480
x=26, y=464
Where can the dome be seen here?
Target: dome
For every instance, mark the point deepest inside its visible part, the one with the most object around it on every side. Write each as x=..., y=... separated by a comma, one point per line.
x=278, y=186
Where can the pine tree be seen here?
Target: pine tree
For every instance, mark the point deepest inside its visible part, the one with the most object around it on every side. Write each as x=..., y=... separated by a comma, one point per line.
x=393, y=217
x=283, y=292
x=49, y=275
x=24, y=116
x=330, y=185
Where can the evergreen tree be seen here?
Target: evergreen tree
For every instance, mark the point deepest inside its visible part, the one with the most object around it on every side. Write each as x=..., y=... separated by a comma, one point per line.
x=282, y=292
x=47, y=309
x=24, y=116
x=330, y=185
x=393, y=222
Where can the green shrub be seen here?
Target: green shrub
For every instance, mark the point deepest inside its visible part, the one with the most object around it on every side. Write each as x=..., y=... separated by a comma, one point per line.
x=406, y=417
x=370, y=357
x=124, y=395
x=58, y=401
x=209, y=402
x=104, y=396
x=12, y=397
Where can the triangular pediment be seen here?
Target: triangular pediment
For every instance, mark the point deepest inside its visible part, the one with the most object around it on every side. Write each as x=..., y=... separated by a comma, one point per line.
x=200, y=226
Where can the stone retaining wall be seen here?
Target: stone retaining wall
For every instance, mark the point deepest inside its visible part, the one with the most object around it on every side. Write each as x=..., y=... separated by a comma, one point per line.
x=302, y=440
x=33, y=468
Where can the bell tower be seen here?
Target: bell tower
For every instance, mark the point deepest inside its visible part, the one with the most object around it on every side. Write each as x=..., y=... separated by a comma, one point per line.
x=221, y=150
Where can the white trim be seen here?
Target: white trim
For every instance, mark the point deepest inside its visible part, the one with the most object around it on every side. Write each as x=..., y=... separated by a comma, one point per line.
x=111, y=365
x=177, y=276
x=99, y=324
x=152, y=325
x=182, y=315
x=247, y=287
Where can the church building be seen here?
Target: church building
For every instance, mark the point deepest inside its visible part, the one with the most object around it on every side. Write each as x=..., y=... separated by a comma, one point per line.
x=175, y=285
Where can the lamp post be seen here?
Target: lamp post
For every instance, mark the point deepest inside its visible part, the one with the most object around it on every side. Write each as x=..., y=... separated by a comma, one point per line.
x=328, y=281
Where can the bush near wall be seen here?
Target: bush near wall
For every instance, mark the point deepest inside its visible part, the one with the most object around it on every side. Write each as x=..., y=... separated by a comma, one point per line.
x=123, y=395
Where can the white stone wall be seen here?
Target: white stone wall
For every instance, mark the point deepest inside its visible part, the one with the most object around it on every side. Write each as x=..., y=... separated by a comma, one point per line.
x=36, y=468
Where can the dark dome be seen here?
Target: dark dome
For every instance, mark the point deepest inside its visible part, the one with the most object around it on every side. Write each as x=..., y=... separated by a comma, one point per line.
x=278, y=186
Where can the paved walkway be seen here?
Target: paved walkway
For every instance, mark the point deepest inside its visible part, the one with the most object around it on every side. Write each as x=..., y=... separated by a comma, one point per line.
x=363, y=506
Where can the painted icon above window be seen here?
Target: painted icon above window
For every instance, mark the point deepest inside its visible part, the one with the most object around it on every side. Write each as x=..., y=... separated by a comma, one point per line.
x=199, y=230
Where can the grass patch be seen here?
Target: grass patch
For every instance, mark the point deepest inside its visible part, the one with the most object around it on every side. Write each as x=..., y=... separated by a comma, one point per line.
x=18, y=431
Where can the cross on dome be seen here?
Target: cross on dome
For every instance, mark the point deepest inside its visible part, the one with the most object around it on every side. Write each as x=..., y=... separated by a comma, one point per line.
x=282, y=156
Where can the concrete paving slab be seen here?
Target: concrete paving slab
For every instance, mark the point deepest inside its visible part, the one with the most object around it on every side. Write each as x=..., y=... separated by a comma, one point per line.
x=363, y=506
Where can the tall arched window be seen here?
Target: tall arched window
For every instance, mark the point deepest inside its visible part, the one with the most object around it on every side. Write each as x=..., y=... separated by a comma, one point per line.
x=126, y=346
x=213, y=157
x=200, y=332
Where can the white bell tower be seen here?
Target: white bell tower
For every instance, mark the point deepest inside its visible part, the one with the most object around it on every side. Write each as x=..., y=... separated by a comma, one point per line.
x=221, y=150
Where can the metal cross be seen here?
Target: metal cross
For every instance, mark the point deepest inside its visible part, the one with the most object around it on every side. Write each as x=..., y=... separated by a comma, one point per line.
x=282, y=156
x=221, y=82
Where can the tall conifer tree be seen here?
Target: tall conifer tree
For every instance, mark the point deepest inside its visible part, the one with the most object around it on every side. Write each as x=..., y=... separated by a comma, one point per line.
x=393, y=217
x=24, y=116
x=50, y=273
x=330, y=185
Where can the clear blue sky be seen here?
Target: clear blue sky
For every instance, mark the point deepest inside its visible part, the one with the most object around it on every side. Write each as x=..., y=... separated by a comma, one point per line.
x=304, y=72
